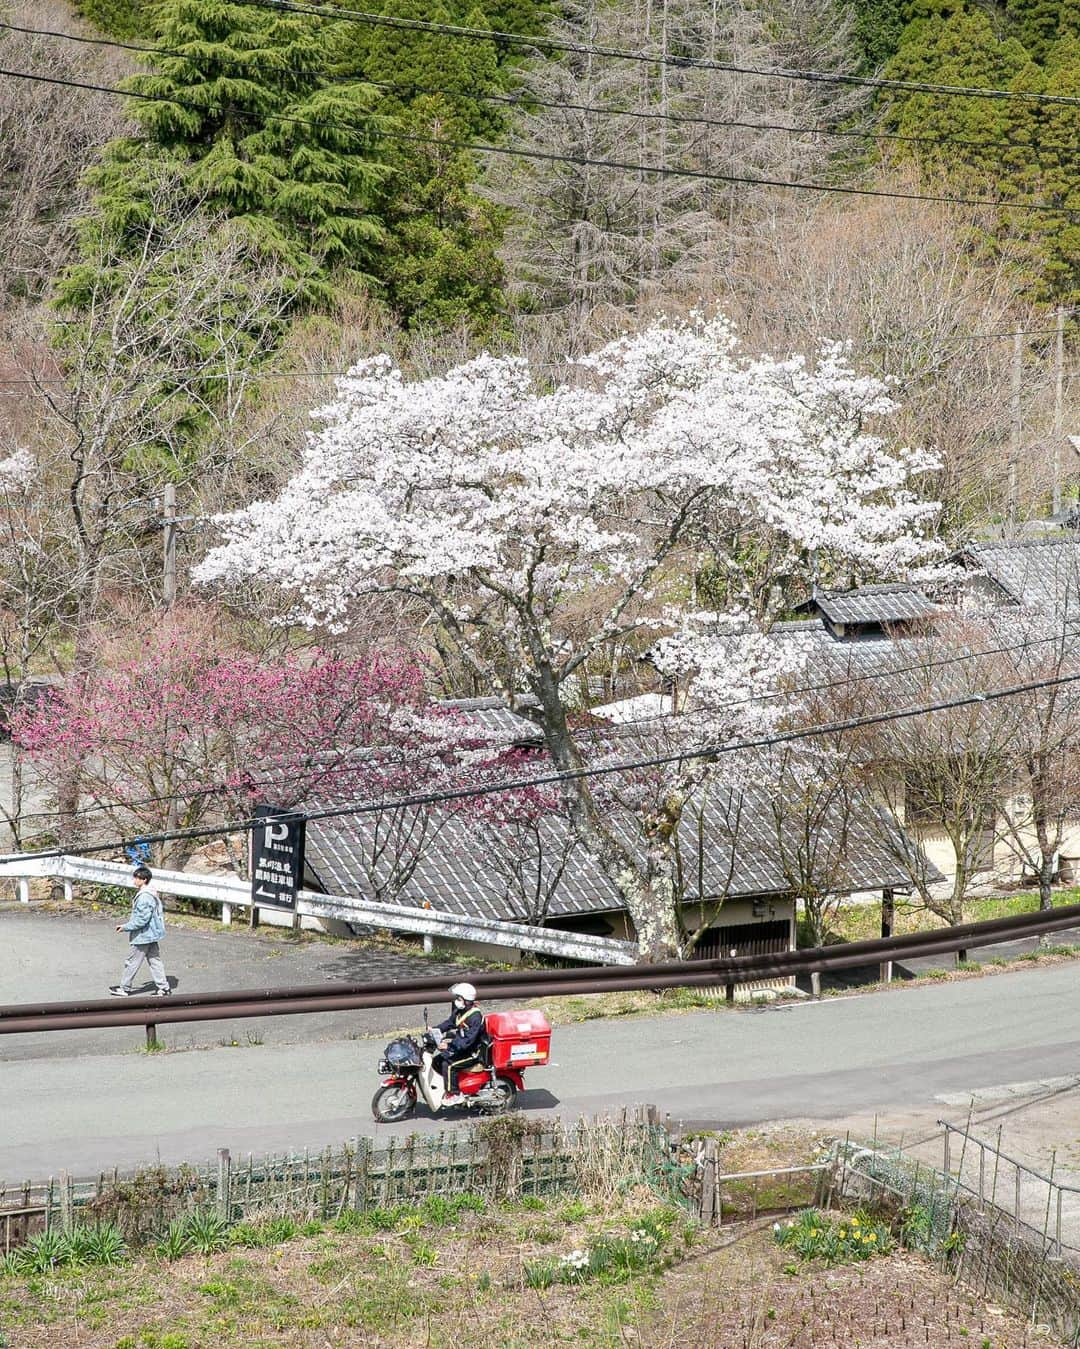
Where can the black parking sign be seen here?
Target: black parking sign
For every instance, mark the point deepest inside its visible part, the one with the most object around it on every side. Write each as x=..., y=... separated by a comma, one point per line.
x=277, y=858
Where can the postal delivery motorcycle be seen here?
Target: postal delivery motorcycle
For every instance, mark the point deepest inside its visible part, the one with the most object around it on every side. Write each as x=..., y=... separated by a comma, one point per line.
x=514, y=1041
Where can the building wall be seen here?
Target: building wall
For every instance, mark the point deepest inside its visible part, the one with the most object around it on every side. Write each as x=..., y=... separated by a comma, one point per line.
x=1006, y=867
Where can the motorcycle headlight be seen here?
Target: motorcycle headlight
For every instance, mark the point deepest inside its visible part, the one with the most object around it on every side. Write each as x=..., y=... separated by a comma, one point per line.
x=384, y=1067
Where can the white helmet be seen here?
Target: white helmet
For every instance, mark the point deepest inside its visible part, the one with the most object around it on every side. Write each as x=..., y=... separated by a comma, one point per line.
x=465, y=991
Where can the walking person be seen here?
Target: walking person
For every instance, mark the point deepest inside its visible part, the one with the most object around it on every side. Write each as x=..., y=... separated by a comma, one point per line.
x=147, y=927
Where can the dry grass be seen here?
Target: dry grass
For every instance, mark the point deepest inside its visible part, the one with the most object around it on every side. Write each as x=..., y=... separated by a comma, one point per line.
x=464, y=1286
x=745, y=1294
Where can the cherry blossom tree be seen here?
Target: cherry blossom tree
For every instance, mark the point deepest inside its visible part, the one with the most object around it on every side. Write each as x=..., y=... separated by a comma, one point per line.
x=182, y=731
x=537, y=522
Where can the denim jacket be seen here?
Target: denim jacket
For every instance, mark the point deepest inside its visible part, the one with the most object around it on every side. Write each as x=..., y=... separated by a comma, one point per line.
x=147, y=921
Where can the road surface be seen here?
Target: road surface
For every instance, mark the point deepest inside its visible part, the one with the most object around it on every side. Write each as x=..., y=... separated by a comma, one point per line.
x=908, y=1047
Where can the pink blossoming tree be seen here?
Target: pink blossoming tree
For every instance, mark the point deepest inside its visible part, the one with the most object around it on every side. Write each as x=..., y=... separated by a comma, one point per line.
x=183, y=731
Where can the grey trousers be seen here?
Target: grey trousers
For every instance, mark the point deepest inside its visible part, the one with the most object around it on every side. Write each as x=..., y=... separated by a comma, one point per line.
x=151, y=953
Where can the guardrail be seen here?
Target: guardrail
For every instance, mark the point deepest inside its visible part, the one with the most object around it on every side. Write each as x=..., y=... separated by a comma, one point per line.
x=228, y=891
x=517, y=984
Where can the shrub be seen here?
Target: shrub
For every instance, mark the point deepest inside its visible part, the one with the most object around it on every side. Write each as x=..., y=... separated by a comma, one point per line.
x=836, y=1241
x=610, y=1259
x=42, y=1253
x=141, y=1203
x=175, y=1241
x=206, y=1231
x=102, y=1244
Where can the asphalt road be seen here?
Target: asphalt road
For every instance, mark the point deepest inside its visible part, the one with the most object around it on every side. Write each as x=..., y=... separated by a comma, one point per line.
x=55, y=955
x=714, y=1069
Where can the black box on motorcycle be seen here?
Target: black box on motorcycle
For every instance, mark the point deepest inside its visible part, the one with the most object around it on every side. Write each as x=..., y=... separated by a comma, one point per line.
x=518, y=1039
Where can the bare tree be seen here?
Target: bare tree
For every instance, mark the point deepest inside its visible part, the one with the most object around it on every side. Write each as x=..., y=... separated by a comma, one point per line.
x=525, y=842
x=1043, y=787
x=48, y=135
x=156, y=360
x=943, y=774
x=593, y=240
x=892, y=279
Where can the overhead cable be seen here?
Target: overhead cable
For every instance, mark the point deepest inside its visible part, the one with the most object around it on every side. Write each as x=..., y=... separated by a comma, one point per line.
x=523, y=152
x=714, y=751
x=527, y=100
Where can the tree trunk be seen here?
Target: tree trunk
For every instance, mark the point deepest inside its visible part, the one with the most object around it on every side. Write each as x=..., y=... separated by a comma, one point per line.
x=1046, y=844
x=650, y=891
x=69, y=786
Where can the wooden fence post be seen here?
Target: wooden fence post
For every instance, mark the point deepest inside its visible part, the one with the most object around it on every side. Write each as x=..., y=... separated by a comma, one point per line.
x=362, y=1200
x=224, y=1184
x=67, y=1216
x=709, y=1206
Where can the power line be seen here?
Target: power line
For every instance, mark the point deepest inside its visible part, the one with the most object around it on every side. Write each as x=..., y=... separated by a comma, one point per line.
x=622, y=54
x=222, y=788
x=869, y=342
x=569, y=775
x=527, y=99
x=522, y=152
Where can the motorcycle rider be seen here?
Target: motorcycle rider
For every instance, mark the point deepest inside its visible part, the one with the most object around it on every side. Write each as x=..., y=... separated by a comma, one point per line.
x=463, y=1037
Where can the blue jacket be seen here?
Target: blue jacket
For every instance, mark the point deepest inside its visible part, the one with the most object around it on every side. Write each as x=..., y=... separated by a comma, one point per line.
x=147, y=921
x=466, y=1030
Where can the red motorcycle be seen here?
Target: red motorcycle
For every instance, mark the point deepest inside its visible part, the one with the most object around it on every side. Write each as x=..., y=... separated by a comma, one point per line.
x=514, y=1041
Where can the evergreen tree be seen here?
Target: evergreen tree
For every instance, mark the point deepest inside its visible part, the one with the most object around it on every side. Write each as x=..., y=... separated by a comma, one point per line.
x=1023, y=150
x=441, y=264
x=118, y=18
x=876, y=29
x=1035, y=23
x=259, y=134
x=441, y=260
x=417, y=64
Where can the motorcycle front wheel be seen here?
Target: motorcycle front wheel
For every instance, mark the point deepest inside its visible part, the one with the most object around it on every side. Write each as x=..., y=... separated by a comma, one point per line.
x=505, y=1097
x=392, y=1103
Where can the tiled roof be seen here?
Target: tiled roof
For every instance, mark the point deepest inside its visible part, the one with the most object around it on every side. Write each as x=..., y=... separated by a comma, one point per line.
x=495, y=718
x=1042, y=573
x=463, y=864
x=873, y=604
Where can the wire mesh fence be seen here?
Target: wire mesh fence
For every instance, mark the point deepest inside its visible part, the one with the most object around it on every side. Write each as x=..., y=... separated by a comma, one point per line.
x=1000, y=1240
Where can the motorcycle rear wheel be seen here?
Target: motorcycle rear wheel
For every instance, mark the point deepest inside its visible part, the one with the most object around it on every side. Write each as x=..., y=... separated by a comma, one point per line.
x=392, y=1103
x=505, y=1094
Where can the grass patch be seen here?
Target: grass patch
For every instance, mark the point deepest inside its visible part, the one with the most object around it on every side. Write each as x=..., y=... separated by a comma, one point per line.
x=638, y=1002
x=861, y=922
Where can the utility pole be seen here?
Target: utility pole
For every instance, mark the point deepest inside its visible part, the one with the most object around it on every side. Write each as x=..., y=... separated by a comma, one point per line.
x=1059, y=398
x=1014, y=439
x=168, y=508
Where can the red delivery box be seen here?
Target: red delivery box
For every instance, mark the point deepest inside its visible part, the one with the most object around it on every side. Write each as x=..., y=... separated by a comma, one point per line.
x=518, y=1039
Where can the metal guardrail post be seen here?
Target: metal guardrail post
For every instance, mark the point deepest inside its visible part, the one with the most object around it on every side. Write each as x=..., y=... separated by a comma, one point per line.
x=948, y=1154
